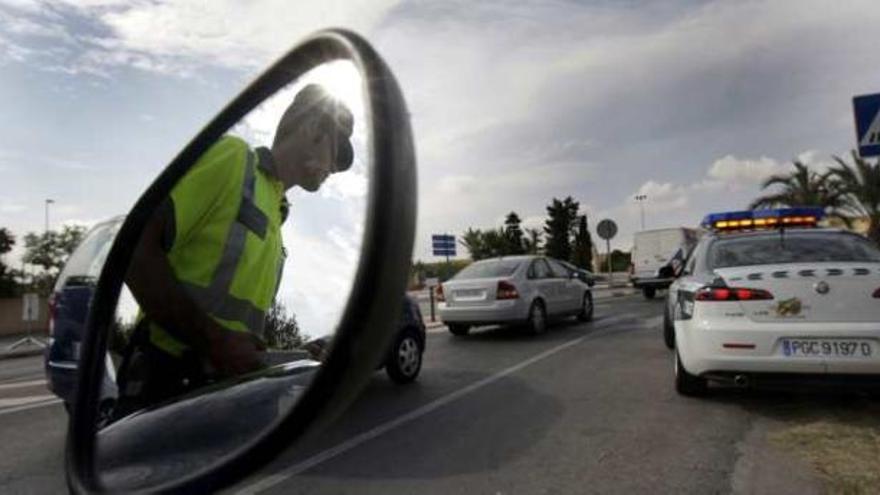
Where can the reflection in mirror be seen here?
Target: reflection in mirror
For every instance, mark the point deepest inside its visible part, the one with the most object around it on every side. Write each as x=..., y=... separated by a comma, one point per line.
x=237, y=284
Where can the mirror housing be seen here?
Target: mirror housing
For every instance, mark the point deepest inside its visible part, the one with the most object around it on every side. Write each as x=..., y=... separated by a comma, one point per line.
x=365, y=326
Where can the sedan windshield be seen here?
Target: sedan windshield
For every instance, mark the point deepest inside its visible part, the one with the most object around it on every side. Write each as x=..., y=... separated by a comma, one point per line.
x=800, y=247
x=489, y=269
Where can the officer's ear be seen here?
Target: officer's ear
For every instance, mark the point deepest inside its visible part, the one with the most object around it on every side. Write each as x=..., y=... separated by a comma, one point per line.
x=206, y=370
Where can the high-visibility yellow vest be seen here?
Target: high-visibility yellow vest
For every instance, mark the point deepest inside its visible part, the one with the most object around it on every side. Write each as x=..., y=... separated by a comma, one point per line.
x=223, y=239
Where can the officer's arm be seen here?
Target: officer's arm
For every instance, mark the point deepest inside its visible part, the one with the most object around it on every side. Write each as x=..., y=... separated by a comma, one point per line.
x=152, y=282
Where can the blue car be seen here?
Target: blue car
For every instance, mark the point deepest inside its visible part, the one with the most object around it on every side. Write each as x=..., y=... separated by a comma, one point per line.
x=68, y=309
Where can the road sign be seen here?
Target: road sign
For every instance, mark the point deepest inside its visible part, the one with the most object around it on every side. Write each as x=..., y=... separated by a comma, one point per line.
x=866, y=109
x=443, y=244
x=432, y=282
x=30, y=307
x=606, y=229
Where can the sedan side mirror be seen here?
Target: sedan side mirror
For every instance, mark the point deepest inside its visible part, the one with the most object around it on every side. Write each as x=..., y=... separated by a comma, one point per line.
x=215, y=377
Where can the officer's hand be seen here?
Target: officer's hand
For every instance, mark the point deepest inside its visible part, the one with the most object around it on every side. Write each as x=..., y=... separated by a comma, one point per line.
x=234, y=353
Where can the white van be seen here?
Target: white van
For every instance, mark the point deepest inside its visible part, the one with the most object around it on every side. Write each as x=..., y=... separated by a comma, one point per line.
x=656, y=249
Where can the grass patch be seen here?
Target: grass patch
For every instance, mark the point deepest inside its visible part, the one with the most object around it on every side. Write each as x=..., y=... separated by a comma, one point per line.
x=845, y=455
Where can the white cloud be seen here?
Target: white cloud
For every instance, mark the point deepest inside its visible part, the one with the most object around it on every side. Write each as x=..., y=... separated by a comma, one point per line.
x=458, y=184
x=661, y=196
x=735, y=171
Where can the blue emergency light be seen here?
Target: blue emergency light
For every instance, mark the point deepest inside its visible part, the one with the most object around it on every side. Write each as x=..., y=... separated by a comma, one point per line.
x=802, y=216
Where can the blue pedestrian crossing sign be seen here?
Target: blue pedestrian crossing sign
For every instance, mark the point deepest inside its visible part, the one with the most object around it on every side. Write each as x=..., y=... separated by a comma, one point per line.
x=867, y=113
x=443, y=244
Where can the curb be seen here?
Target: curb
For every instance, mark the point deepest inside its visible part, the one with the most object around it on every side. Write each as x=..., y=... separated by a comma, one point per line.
x=20, y=354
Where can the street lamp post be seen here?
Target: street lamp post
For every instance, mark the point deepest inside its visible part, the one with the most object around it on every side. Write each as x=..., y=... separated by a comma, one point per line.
x=641, y=199
x=48, y=202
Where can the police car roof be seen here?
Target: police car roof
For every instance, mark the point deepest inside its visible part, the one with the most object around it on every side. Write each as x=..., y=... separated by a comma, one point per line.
x=727, y=234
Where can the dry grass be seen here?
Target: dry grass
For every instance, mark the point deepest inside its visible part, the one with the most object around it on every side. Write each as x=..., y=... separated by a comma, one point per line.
x=845, y=452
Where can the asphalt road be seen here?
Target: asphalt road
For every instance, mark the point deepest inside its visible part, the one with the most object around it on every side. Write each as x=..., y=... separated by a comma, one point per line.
x=584, y=408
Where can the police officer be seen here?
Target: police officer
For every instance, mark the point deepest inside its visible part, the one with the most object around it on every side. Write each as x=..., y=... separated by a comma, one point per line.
x=208, y=264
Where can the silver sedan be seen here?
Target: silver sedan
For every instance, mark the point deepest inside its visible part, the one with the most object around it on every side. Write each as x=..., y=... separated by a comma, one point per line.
x=513, y=290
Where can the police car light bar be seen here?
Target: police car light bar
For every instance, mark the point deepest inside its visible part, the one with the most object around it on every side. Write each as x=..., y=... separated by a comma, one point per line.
x=804, y=216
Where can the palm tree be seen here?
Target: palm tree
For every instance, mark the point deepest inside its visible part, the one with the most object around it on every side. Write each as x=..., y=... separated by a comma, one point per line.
x=860, y=185
x=805, y=187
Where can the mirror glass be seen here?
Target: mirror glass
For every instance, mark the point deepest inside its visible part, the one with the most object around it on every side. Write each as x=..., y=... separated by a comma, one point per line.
x=237, y=284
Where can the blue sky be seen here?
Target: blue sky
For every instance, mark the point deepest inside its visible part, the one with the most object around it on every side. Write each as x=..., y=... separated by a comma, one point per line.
x=513, y=103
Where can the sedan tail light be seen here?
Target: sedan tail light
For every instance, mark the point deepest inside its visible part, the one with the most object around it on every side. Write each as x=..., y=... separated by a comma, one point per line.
x=440, y=296
x=732, y=294
x=506, y=290
x=877, y=293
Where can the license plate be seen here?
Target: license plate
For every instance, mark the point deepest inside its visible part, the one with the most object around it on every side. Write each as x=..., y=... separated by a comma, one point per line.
x=468, y=293
x=846, y=348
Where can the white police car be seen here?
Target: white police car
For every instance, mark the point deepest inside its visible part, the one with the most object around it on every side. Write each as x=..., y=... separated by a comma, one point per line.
x=768, y=297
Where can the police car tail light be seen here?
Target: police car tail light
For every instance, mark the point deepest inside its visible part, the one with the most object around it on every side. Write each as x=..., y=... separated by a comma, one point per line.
x=732, y=294
x=506, y=290
x=440, y=296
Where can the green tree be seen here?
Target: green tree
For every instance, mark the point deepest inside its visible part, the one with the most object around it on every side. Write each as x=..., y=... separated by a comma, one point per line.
x=532, y=241
x=472, y=240
x=860, y=185
x=805, y=187
x=583, y=245
x=50, y=251
x=8, y=285
x=281, y=330
x=559, y=227
x=514, y=234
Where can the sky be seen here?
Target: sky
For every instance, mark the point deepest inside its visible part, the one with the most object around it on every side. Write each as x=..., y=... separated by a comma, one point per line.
x=691, y=103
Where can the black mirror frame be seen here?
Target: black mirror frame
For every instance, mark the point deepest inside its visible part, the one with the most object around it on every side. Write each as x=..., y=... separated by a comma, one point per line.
x=366, y=325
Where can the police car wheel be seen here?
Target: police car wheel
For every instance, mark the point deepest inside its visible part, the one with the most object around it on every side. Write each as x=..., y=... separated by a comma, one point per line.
x=405, y=359
x=649, y=292
x=688, y=384
x=668, y=330
x=458, y=330
x=586, y=313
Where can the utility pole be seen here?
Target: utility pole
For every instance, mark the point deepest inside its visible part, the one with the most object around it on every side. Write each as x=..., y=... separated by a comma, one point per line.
x=641, y=198
x=48, y=202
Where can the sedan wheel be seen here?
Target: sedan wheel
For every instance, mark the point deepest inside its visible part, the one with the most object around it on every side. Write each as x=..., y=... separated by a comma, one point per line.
x=586, y=313
x=537, y=318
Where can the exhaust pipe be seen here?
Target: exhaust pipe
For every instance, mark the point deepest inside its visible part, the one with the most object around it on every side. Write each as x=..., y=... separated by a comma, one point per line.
x=741, y=381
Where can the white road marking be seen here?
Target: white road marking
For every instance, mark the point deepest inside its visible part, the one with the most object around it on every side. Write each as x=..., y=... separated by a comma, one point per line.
x=29, y=406
x=18, y=401
x=274, y=479
x=29, y=383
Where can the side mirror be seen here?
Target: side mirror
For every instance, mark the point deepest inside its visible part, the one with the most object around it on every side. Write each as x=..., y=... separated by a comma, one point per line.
x=213, y=375
x=667, y=272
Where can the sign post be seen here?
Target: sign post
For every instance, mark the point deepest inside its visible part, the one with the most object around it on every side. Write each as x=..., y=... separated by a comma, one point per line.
x=432, y=283
x=607, y=229
x=30, y=312
x=444, y=245
x=866, y=110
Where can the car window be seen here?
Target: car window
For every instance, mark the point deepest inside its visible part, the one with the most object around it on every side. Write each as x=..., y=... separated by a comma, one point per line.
x=691, y=262
x=539, y=269
x=791, y=247
x=558, y=270
x=84, y=265
x=489, y=269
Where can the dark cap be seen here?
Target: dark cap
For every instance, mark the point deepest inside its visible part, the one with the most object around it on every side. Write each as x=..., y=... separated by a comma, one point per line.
x=334, y=118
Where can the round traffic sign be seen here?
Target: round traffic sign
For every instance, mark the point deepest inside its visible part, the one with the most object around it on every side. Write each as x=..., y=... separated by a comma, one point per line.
x=606, y=229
